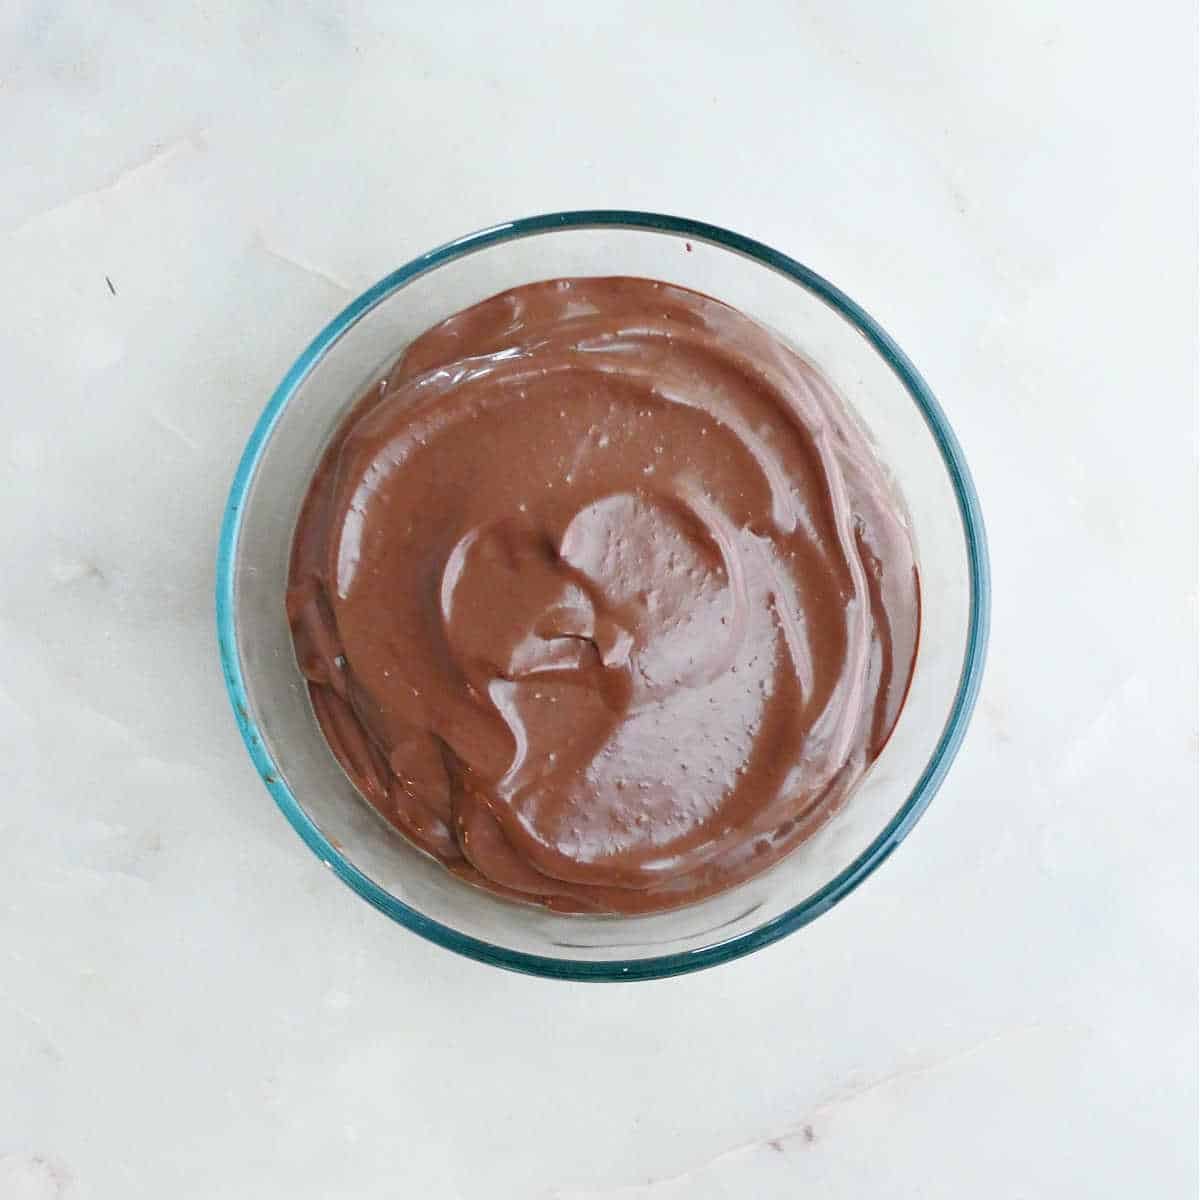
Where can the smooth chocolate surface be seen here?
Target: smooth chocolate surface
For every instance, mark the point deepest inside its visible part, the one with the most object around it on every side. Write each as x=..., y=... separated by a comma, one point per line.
x=603, y=598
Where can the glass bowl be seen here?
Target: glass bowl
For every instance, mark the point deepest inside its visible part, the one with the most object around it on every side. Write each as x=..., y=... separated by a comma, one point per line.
x=271, y=703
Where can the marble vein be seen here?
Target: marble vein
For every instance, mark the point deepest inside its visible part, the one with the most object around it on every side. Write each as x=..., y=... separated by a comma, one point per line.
x=262, y=244
x=159, y=155
x=804, y=1133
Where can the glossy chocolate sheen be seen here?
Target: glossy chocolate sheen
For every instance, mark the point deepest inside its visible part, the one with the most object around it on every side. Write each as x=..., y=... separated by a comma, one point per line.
x=603, y=598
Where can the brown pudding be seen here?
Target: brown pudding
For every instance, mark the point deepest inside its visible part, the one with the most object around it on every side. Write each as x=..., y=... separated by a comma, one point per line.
x=603, y=598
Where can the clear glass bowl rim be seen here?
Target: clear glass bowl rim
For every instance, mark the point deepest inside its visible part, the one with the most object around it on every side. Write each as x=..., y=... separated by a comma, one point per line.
x=901, y=822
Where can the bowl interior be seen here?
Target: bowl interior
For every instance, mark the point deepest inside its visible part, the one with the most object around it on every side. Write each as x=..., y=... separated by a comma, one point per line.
x=271, y=701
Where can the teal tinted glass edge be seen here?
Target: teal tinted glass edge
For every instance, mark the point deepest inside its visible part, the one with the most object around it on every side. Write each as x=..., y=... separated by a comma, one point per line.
x=896, y=829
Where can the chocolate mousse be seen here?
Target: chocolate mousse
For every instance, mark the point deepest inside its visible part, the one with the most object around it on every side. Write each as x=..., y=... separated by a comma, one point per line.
x=603, y=597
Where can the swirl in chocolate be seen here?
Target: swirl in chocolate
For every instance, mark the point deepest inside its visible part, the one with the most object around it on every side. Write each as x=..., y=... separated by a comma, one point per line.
x=602, y=597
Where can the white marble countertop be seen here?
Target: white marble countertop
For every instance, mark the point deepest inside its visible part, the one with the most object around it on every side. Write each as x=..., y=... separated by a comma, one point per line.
x=191, y=1006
